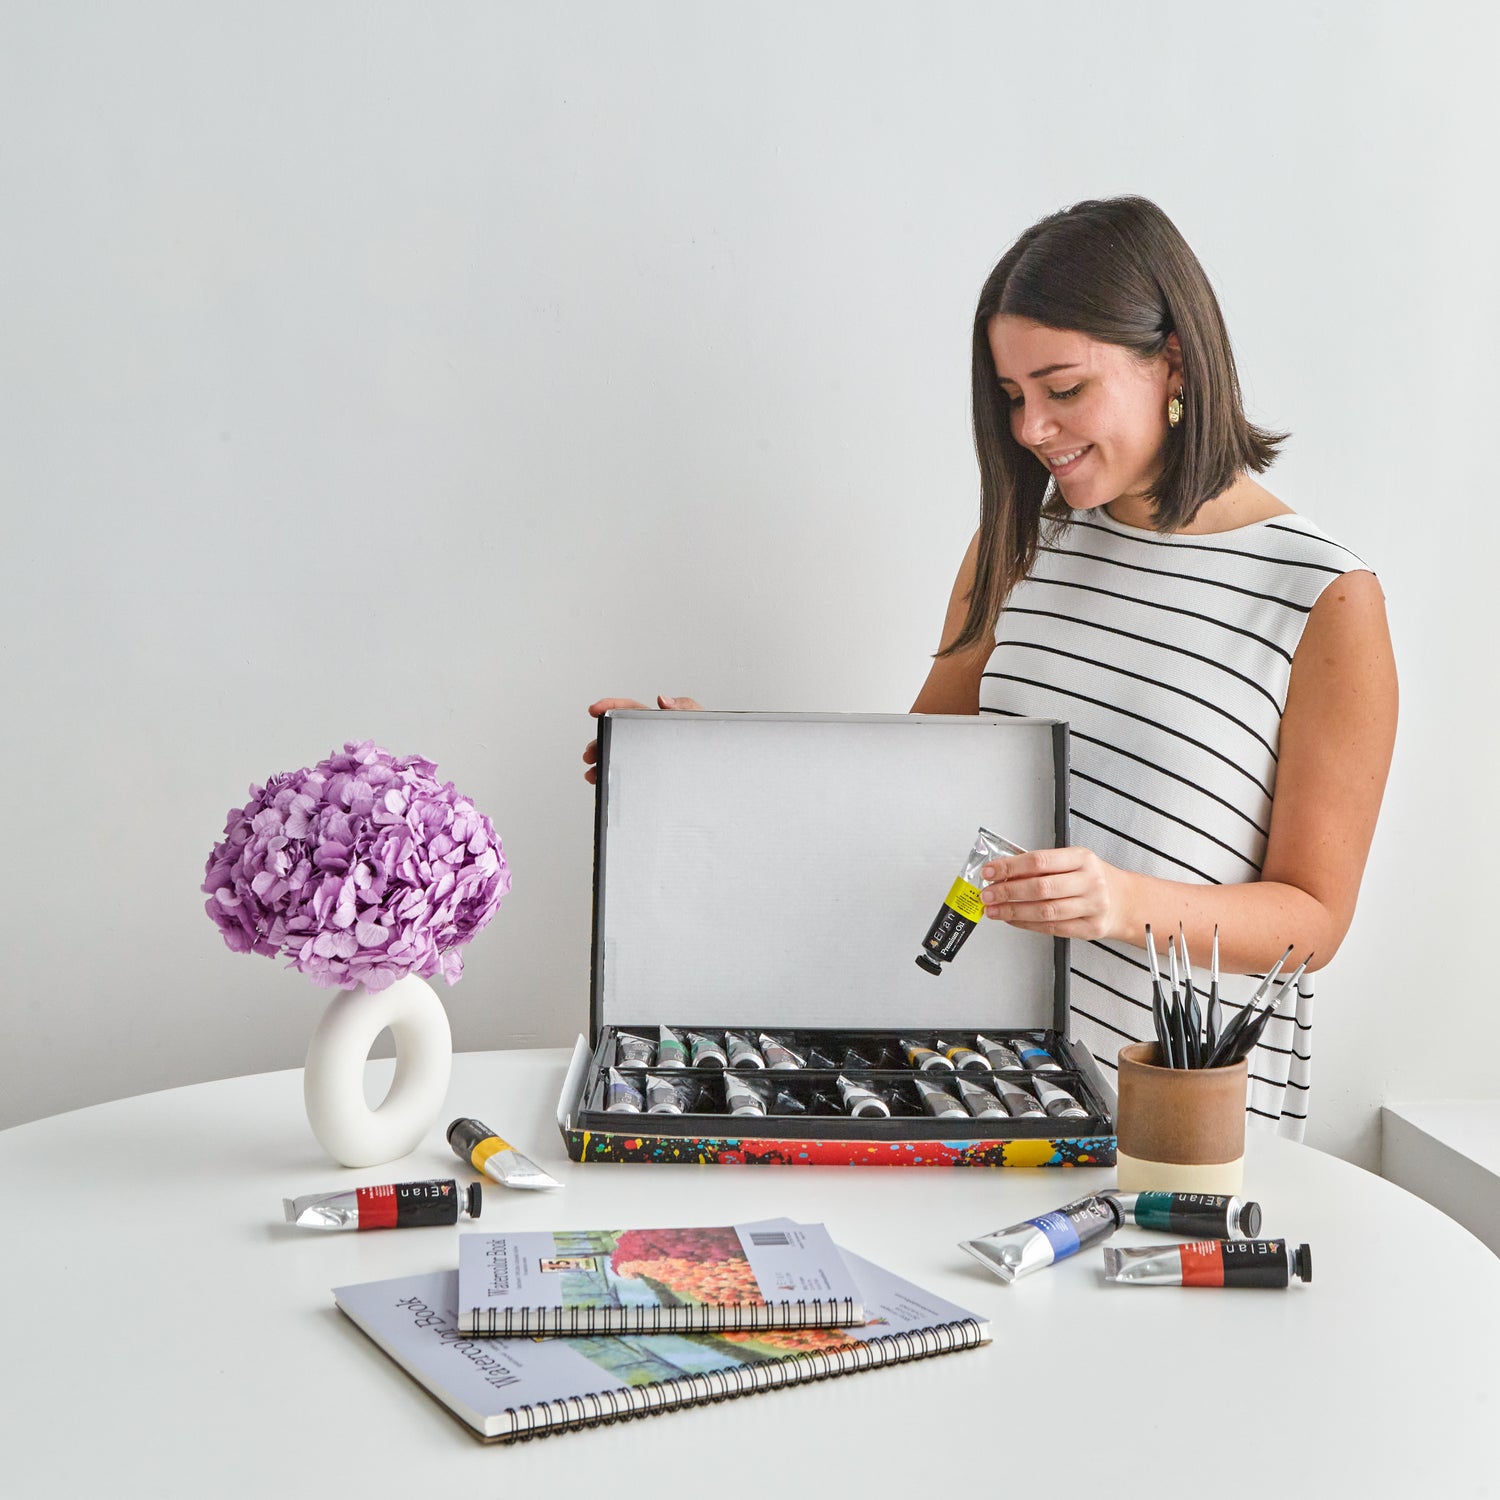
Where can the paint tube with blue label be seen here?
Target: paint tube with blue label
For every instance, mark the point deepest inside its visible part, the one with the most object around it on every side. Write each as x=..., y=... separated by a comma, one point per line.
x=1023, y=1248
x=962, y=910
x=1034, y=1057
x=621, y=1096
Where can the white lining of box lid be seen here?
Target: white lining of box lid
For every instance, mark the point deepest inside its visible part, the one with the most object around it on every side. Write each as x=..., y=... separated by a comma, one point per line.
x=782, y=870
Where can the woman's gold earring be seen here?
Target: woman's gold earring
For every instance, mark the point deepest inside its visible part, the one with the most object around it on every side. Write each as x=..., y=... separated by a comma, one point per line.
x=1174, y=410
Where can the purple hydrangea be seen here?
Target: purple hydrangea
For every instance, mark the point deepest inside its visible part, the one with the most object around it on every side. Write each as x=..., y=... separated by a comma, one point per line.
x=360, y=871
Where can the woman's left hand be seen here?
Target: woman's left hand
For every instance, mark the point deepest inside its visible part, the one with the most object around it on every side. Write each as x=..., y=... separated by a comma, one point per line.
x=1061, y=892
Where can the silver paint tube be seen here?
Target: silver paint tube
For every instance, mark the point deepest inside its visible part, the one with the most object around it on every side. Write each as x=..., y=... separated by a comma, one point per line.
x=745, y=1096
x=924, y=1057
x=1266, y=1263
x=962, y=909
x=392, y=1205
x=963, y=1057
x=1000, y=1054
x=707, y=1053
x=777, y=1054
x=667, y=1095
x=742, y=1051
x=621, y=1096
x=1037, y=1243
x=1058, y=1103
x=671, y=1050
x=1019, y=1100
x=1034, y=1057
x=860, y=1101
x=938, y=1102
x=474, y=1142
x=982, y=1104
x=633, y=1051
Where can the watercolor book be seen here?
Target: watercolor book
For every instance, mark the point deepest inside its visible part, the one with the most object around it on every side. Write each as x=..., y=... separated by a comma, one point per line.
x=516, y=1388
x=773, y=1274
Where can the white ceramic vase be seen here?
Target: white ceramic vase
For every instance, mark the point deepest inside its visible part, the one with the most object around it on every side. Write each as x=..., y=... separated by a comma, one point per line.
x=333, y=1083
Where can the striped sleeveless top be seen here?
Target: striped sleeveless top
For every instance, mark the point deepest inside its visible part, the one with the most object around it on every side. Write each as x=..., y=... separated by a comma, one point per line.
x=1170, y=656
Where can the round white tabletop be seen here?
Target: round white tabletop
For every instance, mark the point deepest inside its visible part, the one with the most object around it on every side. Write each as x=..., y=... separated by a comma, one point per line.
x=166, y=1334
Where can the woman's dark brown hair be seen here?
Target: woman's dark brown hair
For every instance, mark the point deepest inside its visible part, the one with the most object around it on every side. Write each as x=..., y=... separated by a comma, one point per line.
x=1117, y=270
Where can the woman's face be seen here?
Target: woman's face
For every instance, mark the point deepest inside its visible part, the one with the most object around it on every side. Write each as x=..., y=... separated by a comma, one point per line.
x=1097, y=405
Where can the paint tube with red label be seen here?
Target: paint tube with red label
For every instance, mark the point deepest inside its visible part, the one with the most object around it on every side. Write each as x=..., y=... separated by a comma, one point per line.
x=1210, y=1263
x=962, y=910
x=392, y=1205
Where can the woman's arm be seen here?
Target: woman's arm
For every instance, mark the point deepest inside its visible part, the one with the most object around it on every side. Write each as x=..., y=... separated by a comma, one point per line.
x=952, y=685
x=1337, y=732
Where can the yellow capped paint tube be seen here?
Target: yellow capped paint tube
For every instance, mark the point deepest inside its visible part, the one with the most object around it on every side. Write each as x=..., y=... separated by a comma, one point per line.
x=486, y=1152
x=962, y=910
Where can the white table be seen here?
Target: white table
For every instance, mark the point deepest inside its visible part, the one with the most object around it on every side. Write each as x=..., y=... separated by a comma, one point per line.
x=165, y=1334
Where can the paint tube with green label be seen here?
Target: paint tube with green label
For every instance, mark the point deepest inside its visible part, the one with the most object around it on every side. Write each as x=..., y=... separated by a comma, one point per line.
x=962, y=910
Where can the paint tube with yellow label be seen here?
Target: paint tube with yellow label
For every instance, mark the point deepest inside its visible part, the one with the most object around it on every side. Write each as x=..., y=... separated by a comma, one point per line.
x=962, y=910
x=486, y=1152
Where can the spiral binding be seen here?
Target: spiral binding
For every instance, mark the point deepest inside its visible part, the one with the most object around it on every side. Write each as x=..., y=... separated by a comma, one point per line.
x=706, y=1317
x=604, y=1408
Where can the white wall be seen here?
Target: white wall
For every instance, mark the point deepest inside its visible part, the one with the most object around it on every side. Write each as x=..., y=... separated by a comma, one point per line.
x=425, y=372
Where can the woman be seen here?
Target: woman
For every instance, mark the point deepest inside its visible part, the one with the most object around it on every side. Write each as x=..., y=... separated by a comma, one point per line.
x=1225, y=667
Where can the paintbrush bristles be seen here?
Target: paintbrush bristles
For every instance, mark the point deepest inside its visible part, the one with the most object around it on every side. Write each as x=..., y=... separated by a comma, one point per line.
x=1190, y=1036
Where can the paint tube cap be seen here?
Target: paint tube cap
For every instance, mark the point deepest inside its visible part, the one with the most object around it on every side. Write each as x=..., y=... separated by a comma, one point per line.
x=476, y=1200
x=1302, y=1262
x=1249, y=1221
x=928, y=962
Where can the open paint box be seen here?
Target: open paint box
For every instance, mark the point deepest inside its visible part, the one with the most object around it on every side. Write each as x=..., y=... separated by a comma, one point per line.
x=775, y=875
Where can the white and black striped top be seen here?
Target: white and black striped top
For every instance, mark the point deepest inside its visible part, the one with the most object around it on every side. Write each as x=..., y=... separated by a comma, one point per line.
x=1169, y=655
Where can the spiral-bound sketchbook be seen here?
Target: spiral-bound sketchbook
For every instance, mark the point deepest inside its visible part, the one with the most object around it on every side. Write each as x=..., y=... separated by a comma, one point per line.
x=772, y=1274
x=507, y=1389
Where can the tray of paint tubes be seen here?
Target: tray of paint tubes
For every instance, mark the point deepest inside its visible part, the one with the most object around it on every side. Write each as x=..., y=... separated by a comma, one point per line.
x=832, y=1084
x=762, y=886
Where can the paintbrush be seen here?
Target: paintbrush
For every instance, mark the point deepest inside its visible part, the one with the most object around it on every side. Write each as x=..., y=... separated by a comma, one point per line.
x=1194, y=1016
x=1231, y=1032
x=1252, y=1033
x=1212, y=1036
x=1158, y=1003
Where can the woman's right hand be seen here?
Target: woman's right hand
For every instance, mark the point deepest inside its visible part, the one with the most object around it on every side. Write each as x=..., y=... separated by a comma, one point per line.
x=591, y=750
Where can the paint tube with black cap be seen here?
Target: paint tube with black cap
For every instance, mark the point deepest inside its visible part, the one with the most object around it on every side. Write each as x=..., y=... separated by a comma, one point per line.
x=668, y=1094
x=743, y=1053
x=1000, y=1054
x=963, y=1057
x=496, y=1158
x=778, y=1053
x=621, y=1096
x=1266, y=1263
x=745, y=1096
x=633, y=1051
x=924, y=1057
x=983, y=1105
x=938, y=1102
x=671, y=1050
x=1058, y=1103
x=1207, y=1215
x=962, y=910
x=706, y=1051
x=1034, y=1057
x=1019, y=1100
x=862, y=1102
x=1037, y=1243
x=392, y=1205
